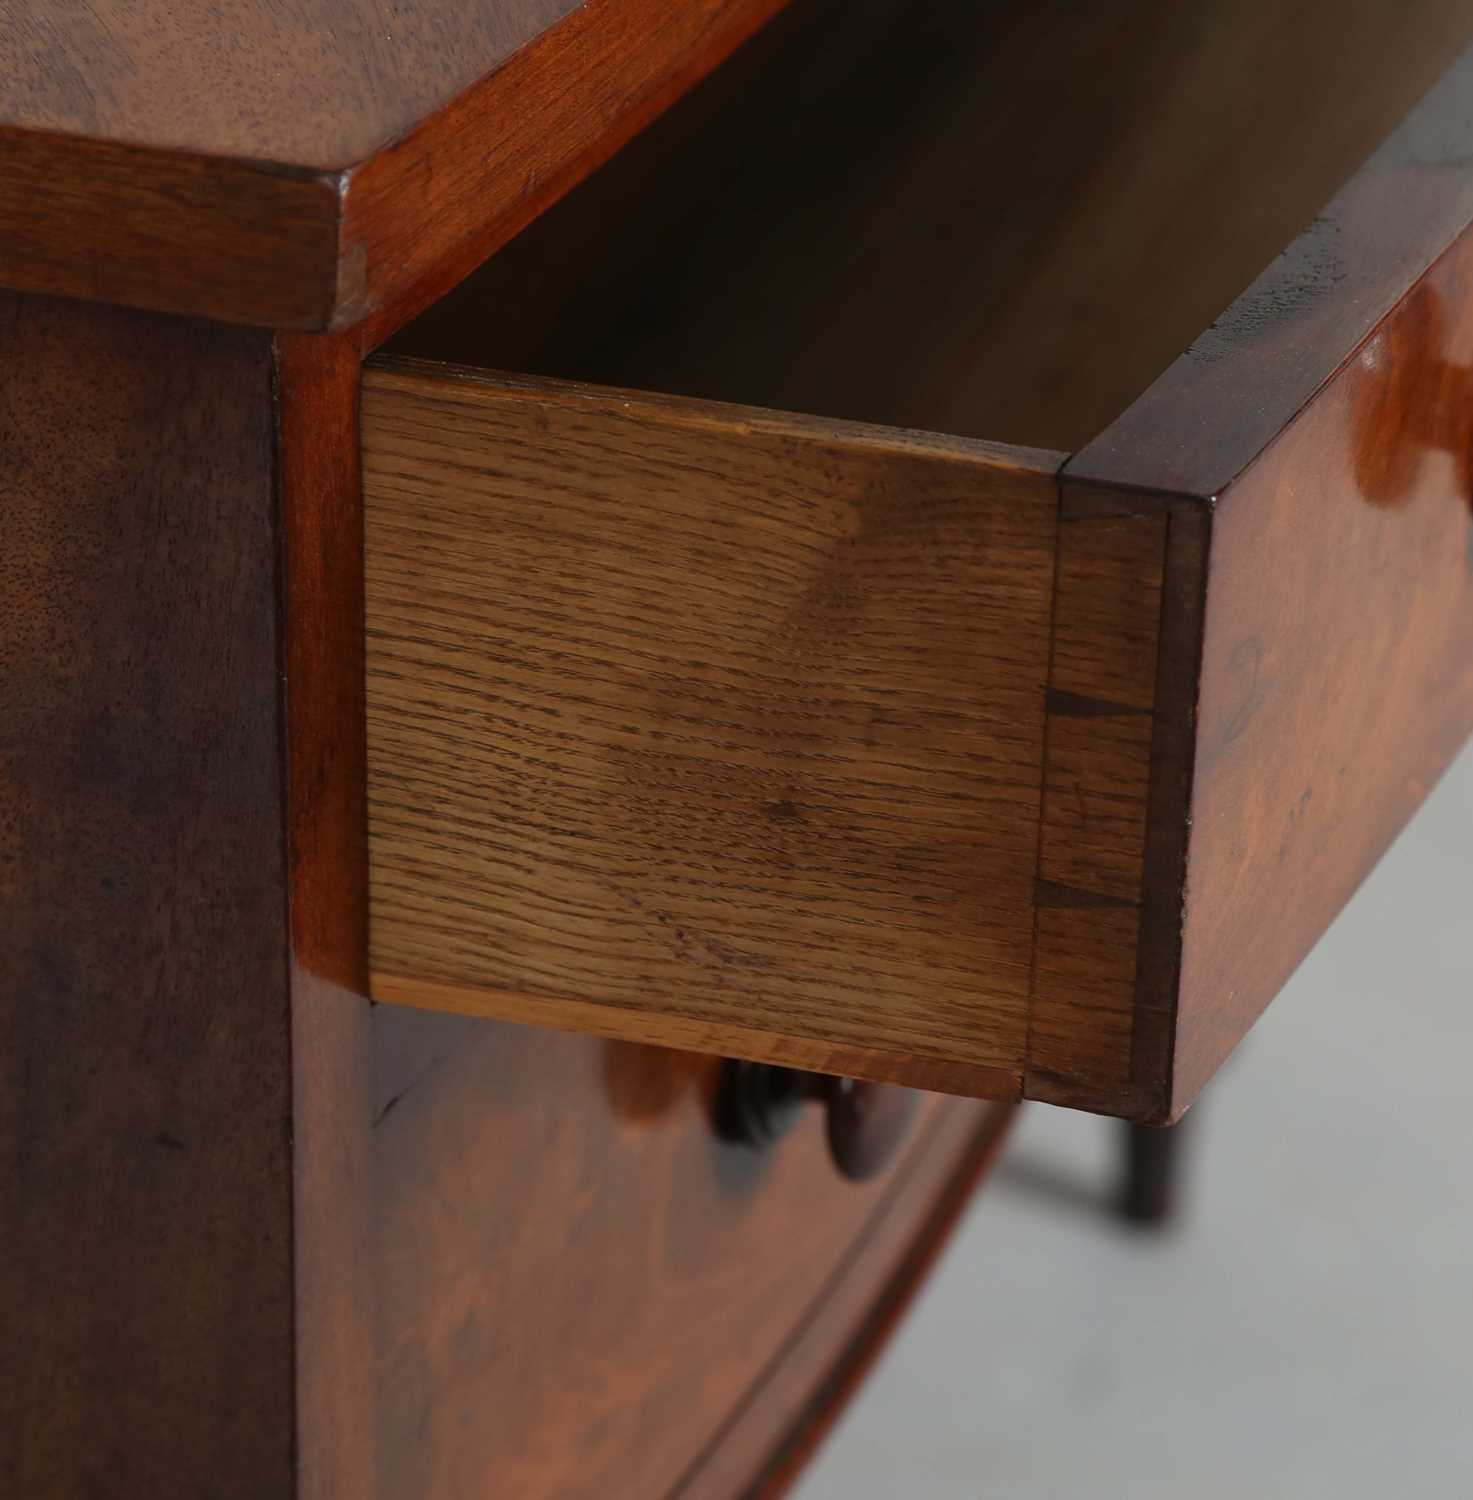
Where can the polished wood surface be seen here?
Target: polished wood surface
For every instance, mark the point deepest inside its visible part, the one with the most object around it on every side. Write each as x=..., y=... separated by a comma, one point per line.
x=204, y=1231
x=145, y=1112
x=705, y=726
x=508, y=147
x=1336, y=678
x=319, y=497
x=579, y=1284
x=301, y=164
x=297, y=84
x=1298, y=322
x=781, y=1422
x=1311, y=679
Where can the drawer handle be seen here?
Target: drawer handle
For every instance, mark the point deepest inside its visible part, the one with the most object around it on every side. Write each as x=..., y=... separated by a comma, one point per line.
x=759, y=1103
x=1410, y=400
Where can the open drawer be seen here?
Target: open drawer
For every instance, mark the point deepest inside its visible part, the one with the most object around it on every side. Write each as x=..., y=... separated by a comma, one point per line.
x=1028, y=759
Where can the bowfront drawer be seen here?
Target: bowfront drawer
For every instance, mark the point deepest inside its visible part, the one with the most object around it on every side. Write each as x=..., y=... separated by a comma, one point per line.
x=858, y=745
x=582, y=1292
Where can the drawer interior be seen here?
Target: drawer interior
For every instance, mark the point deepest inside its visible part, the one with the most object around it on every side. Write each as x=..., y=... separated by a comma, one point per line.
x=997, y=220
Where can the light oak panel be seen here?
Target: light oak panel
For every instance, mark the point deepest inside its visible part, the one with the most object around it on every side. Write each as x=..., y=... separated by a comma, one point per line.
x=705, y=725
x=1097, y=780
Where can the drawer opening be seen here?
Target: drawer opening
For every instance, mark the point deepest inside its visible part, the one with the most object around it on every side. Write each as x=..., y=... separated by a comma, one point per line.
x=755, y=666
x=998, y=221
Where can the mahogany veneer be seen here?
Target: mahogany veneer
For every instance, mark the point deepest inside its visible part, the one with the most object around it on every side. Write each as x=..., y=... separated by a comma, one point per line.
x=263, y=1238
x=311, y=166
x=838, y=746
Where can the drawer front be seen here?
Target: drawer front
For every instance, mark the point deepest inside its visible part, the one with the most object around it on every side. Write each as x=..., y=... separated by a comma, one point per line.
x=1305, y=468
x=923, y=759
x=582, y=1292
x=703, y=726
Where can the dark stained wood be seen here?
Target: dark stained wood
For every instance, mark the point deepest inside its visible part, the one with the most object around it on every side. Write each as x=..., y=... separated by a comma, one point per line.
x=1288, y=332
x=303, y=165
x=579, y=1283
x=145, y=1152
x=1128, y=603
x=783, y=1421
x=165, y=1178
x=178, y=233
x=1313, y=679
x=409, y=233
x=1336, y=679
x=259, y=1241
x=414, y=1165
x=275, y=165
x=320, y=496
x=1173, y=753
x=1001, y=219
x=1151, y=1173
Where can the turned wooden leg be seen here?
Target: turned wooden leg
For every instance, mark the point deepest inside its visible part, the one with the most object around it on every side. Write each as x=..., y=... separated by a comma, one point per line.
x=1151, y=1172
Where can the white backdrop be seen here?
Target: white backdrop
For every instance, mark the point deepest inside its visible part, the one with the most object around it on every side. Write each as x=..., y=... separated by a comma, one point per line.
x=1307, y=1332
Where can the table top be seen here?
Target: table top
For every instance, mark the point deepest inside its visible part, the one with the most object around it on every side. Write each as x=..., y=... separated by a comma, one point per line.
x=296, y=84
x=299, y=163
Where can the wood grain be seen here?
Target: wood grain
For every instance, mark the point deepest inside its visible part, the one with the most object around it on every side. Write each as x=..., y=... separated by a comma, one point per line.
x=293, y=83
x=573, y=1287
x=1108, y=1015
x=1288, y=332
x=784, y=1420
x=580, y=1286
x=704, y=714
x=301, y=165
x=428, y=1338
x=208, y=1216
x=1054, y=201
x=1097, y=780
x=423, y=212
x=321, y=590
x=145, y=1112
x=1311, y=684
x=168, y=231
x=1336, y=681
x=1114, y=1020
